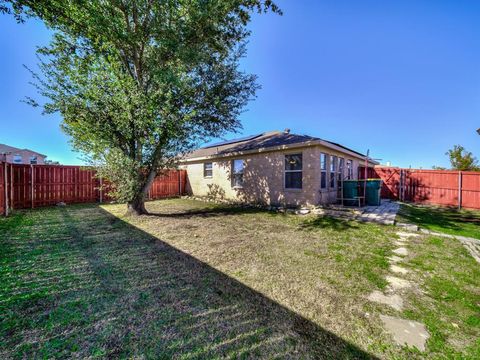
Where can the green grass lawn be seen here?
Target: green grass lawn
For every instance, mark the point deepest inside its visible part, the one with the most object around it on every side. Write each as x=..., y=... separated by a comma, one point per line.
x=199, y=280
x=442, y=219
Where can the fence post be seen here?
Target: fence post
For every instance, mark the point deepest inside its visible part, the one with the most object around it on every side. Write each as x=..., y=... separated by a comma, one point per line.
x=400, y=187
x=32, y=184
x=179, y=184
x=5, y=176
x=101, y=190
x=12, y=190
x=460, y=178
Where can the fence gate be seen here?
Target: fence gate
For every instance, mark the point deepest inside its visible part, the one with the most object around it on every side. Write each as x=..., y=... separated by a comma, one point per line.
x=436, y=187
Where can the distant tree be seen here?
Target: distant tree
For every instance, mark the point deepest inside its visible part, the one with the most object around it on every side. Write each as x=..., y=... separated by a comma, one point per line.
x=139, y=82
x=461, y=159
x=435, y=167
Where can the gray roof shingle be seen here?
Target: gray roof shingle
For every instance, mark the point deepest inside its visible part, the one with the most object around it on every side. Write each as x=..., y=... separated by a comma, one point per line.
x=7, y=148
x=254, y=142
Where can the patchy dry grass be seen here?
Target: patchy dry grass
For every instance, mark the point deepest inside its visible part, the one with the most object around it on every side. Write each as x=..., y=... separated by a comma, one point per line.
x=197, y=280
x=442, y=219
x=450, y=305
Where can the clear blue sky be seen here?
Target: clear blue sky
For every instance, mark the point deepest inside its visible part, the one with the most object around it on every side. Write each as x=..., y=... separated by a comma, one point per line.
x=401, y=78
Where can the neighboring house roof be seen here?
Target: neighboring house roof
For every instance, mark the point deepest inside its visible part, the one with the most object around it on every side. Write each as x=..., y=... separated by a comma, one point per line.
x=268, y=141
x=10, y=149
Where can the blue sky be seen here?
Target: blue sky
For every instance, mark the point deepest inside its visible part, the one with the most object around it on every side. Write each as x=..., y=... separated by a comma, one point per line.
x=401, y=78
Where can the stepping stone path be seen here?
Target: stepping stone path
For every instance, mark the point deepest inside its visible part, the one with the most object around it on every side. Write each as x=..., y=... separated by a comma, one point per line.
x=404, y=332
x=406, y=234
x=401, y=251
x=396, y=283
x=398, y=269
x=394, y=259
x=395, y=301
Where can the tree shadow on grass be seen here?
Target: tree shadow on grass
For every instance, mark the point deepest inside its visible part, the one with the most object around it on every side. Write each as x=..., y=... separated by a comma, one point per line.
x=106, y=288
x=327, y=222
x=215, y=210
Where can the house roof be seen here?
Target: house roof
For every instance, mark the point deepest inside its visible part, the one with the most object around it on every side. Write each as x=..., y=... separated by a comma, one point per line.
x=264, y=141
x=11, y=149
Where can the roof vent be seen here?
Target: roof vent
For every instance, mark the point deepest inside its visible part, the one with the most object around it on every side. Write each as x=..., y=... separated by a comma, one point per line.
x=286, y=131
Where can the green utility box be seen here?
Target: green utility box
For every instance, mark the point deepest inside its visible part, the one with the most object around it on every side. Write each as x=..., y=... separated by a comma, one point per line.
x=372, y=196
x=350, y=192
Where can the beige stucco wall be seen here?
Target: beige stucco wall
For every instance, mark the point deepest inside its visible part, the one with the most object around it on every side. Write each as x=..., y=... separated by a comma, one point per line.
x=264, y=179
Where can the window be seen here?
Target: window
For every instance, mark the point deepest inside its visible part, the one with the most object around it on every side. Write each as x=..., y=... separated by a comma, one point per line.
x=323, y=171
x=349, y=170
x=293, y=171
x=333, y=170
x=340, y=173
x=17, y=159
x=33, y=160
x=207, y=170
x=237, y=173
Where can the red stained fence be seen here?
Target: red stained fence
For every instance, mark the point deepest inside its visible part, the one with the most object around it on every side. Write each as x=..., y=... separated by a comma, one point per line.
x=437, y=187
x=2, y=188
x=170, y=182
x=31, y=186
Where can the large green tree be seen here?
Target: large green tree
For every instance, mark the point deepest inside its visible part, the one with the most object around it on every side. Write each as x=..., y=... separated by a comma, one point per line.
x=461, y=159
x=139, y=82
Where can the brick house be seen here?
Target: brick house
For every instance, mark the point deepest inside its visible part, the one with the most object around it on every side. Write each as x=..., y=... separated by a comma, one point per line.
x=272, y=168
x=13, y=155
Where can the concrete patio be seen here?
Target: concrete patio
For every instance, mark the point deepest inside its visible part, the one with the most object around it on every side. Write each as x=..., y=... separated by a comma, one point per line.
x=384, y=213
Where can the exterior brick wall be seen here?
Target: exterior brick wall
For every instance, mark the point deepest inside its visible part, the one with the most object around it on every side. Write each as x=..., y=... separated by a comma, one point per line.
x=263, y=179
x=25, y=155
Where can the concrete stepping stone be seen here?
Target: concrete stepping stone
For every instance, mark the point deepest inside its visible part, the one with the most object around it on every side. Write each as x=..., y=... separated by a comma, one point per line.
x=406, y=332
x=400, y=243
x=398, y=283
x=401, y=251
x=395, y=259
x=398, y=269
x=393, y=300
x=406, y=234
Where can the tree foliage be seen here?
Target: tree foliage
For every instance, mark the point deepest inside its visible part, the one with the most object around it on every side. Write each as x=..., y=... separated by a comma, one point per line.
x=461, y=159
x=139, y=82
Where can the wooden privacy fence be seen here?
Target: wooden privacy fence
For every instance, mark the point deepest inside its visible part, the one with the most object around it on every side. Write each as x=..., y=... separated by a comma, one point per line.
x=437, y=187
x=3, y=188
x=31, y=186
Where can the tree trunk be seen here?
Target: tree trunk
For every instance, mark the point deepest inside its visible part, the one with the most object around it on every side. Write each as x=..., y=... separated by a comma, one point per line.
x=137, y=205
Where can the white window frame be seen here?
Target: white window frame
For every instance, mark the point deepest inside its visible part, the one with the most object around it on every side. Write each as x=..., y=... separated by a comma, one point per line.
x=349, y=167
x=340, y=171
x=205, y=169
x=285, y=172
x=323, y=170
x=333, y=172
x=17, y=159
x=33, y=160
x=234, y=173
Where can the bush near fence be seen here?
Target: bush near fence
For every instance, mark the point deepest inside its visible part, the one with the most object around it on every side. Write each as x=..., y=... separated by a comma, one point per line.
x=31, y=186
x=436, y=187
